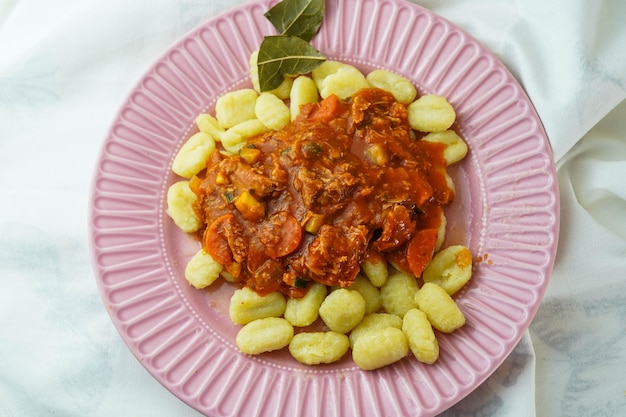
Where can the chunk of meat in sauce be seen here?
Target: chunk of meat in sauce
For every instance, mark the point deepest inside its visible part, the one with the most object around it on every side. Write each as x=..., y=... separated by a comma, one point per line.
x=325, y=189
x=398, y=228
x=334, y=256
x=344, y=180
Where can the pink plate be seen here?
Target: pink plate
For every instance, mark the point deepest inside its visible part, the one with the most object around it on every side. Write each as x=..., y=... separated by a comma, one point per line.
x=506, y=211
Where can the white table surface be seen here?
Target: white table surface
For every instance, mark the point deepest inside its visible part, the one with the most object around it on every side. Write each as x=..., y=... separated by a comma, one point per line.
x=67, y=65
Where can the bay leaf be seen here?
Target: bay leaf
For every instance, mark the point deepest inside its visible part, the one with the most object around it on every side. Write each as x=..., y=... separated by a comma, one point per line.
x=285, y=55
x=301, y=18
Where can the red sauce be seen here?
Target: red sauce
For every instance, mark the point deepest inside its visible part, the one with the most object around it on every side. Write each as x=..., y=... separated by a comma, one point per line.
x=344, y=181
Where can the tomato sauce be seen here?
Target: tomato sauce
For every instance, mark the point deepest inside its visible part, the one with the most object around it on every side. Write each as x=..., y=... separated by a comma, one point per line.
x=346, y=180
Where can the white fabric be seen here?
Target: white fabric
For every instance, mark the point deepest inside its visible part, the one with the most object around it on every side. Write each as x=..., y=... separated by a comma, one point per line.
x=67, y=65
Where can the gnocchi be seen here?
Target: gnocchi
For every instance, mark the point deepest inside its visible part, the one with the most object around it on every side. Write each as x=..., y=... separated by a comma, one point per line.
x=369, y=292
x=246, y=305
x=272, y=111
x=235, y=107
x=374, y=321
x=208, y=124
x=314, y=348
x=235, y=138
x=180, y=201
x=384, y=314
x=400, y=87
x=193, y=155
x=202, y=270
x=450, y=268
x=420, y=335
x=328, y=67
x=302, y=312
x=380, y=348
x=264, y=335
x=431, y=113
x=456, y=148
x=340, y=79
x=442, y=311
x=342, y=310
x=375, y=269
x=398, y=293
x=303, y=91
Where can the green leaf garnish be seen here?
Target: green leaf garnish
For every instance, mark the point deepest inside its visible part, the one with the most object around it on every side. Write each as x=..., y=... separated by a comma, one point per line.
x=285, y=55
x=301, y=18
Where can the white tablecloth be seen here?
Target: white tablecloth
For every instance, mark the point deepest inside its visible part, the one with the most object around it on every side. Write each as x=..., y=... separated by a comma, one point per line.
x=67, y=65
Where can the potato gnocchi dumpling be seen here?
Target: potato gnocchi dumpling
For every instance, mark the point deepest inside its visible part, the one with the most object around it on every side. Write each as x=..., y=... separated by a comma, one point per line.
x=236, y=137
x=193, y=155
x=272, y=111
x=342, y=310
x=375, y=269
x=180, y=201
x=450, y=268
x=302, y=312
x=202, y=270
x=456, y=148
x=208, y=124
x=314, y=348
x=431, y=113
x=342, y=80
x=401, y=88
x=246, y=305
x=303, y=91
x=380, y=348
x=419, y=332
x=264, y=335
x=442, y=311
x=236, y=107
x=328, y=67
x=398, y=293
x=369, y=292
x=374, y=321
